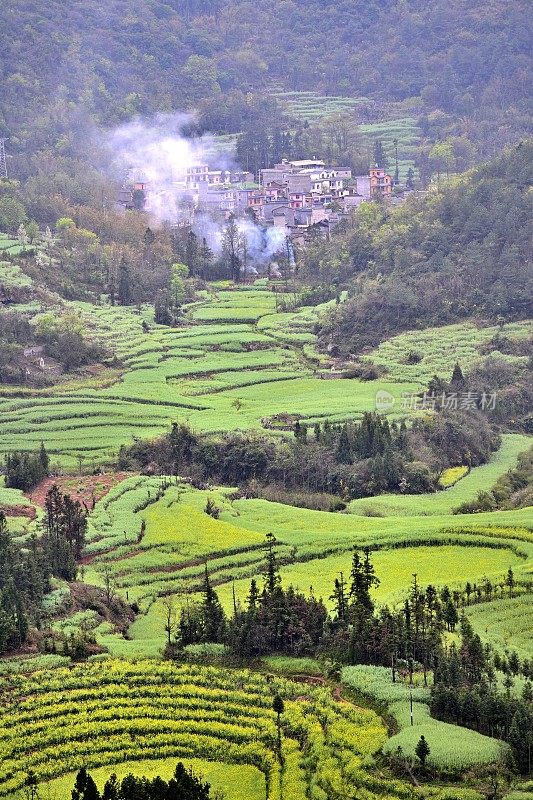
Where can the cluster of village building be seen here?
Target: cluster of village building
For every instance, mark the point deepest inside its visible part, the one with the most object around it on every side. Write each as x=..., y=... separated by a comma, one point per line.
x=292, y=194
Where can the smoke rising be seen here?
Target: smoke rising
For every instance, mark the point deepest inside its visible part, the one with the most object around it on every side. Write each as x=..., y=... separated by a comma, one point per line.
x=156, y=152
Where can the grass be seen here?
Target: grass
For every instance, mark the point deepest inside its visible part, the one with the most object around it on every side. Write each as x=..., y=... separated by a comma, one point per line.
x=452, y=565
x=285, y=665
x=11, y=276
x=232, y=347
x=450, y=476
x=439, y=349
x=193, y=374
x=312, y=107
x=505, y=624
x=313, y=547
x=452, y=747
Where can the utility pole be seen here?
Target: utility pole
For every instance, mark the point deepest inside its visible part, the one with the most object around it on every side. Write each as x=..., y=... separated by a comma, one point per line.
x=396, y=171
x=3, y=162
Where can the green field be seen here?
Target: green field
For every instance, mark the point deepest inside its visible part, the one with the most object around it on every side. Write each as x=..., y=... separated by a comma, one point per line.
x=452, y=747
x=312, y=107
x=233, y=363
x=238, y=782
x=407, y=133
x=232, y=349
x=313, y=547
x=444, y=502
x=505, y=624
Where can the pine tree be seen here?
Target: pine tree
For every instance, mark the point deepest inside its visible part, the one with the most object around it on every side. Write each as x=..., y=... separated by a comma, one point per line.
x=343, y=451
x=422, y=750
x=279, y=707
x=230, y=248
x=191, y=252
x=213, y=619
x=457, y=382
x=205, y=258
x=509, y=581
x=380, y=160
x=44, y=459
x=339, y=599
x=253, y=596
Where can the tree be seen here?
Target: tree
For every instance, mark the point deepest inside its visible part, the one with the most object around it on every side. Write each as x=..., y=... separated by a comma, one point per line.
x=12, y=214
x=31, y=785
x=213, y=619
x=422, y=750
x=169, y=611
x=84, y=787
x=457, y=382
x=44, y=459
x=279, y=707
x=410, y=180
x=211, y=508
x=521, y=737
x=509, y=581
x=205, y=259
x=379, y=157
x=230, y=248
x=191, y=252
x=272, y=577
x=124, y=283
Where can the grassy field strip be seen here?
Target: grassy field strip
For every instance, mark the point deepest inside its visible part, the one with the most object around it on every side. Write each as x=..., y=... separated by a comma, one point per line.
x=505, y=624
x=444, y=502
x=234, y=363
x=239, y=782
x=451, y=746
x=440, y=348
x=313, y=546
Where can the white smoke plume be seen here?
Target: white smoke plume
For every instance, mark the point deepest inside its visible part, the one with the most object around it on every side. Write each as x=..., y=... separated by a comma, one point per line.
x=156, y=152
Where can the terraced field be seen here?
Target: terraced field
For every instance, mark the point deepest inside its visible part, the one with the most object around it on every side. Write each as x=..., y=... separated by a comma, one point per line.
x=118, y=712
x=505, y=624
x=311, y=106
x=229, y=367
x=406, y=131
x=233, y=363
x=478, y=479
x=235, y=781
x=313, y=547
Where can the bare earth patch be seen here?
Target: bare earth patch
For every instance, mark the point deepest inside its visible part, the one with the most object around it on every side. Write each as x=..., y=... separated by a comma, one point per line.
x=84, y=488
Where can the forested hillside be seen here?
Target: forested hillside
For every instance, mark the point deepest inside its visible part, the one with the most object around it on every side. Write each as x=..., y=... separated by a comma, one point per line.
x=465, y=61
x=451, y=254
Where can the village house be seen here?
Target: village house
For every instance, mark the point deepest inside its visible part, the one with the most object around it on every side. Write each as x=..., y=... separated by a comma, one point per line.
x=380, y=183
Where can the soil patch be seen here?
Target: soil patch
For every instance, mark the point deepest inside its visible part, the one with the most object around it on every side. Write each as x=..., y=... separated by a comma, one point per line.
x=85, y=488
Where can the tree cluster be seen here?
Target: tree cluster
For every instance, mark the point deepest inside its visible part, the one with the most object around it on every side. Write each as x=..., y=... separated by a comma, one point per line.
x=24, y=580
x=64, y=537
x=347, y=460
x=466, y=693
x=25, y=470
x=184, y=785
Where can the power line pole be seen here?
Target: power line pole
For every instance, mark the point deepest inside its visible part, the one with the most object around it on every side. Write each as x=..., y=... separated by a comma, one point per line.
x=3, y=162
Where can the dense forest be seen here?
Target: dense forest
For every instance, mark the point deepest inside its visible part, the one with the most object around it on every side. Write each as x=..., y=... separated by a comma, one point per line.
x=465, y=63
x=455, y=253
